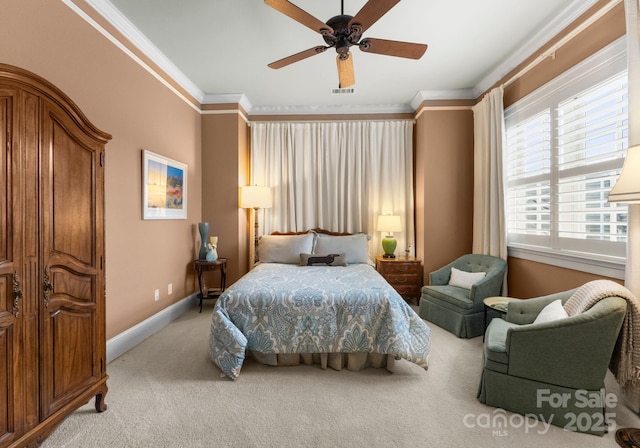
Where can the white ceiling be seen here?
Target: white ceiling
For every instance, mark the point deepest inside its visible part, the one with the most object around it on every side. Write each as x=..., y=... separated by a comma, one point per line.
x=214, y=48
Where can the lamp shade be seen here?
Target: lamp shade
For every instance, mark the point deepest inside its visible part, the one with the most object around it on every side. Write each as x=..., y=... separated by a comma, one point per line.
x=255, y=197
x=627, y=188
x=389, y=223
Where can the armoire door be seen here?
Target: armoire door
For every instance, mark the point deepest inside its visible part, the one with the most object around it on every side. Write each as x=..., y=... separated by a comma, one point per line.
x=72, y=227
x=10, y=275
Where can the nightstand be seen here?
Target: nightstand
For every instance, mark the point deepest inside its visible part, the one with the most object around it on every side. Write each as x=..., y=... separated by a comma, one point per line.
x=404, y=274
x=202, y=266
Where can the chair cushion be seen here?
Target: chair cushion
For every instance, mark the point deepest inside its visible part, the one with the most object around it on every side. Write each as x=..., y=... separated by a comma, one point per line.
x=495, y=348
x=453, y=295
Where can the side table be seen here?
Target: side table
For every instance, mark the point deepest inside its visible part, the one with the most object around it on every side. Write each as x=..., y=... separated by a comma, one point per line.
x=498, y=304
x=403, y=273
x=202, y=266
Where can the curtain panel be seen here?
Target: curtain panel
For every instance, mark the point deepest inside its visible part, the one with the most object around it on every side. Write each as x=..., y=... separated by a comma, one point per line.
x=489, y=226
x=338, y=176
x=489, y=220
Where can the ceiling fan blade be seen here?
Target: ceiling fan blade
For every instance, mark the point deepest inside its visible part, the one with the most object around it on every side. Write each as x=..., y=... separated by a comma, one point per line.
x=346, y=77
x=371, y=12
x=298, y=57
x=299, y=15
x=393, y=48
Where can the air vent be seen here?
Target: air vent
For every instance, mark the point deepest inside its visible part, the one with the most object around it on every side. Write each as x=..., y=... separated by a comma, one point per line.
x=350, y=90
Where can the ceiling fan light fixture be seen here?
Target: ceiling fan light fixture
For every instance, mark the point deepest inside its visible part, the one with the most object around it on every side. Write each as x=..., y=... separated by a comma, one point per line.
x=343, y=51
x=346, y=76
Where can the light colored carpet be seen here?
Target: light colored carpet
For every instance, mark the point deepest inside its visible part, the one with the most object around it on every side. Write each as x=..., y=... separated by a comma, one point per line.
x=167, y=393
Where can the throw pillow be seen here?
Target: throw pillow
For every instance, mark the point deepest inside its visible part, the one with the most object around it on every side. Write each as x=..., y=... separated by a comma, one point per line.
x=551, y=312
x=464, y=279
x=337, y=259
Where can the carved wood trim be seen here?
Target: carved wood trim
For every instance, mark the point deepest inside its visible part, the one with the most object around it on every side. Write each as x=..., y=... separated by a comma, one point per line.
x=316, y=230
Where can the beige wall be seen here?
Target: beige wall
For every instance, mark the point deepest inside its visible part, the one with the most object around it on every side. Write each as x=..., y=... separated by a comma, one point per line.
x=444, y=185
x=119, y=97
x=529, y=279
x=225, y=169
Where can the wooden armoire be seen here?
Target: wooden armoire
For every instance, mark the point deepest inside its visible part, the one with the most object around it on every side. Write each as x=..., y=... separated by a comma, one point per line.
x=52, y=267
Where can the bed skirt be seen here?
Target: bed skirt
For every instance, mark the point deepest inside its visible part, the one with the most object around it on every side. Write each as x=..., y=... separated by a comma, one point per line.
x=338, y=361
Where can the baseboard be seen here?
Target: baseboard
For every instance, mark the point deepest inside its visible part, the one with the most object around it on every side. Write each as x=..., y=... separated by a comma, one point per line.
x=128, y=339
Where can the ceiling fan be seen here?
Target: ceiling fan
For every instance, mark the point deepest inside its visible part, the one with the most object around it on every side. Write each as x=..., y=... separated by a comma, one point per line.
x=343, y=31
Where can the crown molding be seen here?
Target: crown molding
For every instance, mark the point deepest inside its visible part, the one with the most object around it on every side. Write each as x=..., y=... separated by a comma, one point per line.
x=551, y=30
x=426, y=95
x=113, y=15
x=227, y=98
x=333, y=110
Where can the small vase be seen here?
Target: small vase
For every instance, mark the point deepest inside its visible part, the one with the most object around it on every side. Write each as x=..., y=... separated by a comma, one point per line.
x=203, y=228
x=212, y=253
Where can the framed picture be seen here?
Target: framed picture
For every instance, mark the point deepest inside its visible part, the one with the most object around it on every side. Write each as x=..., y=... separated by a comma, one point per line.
x=164, y=187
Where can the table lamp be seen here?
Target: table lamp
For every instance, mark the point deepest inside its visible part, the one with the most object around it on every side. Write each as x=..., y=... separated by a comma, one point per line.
x=389, y=224
x=627, y=187
x=627, y=191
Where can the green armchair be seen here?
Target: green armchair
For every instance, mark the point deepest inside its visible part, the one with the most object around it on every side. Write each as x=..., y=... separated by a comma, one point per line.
x=460, y=310
x=553, y=371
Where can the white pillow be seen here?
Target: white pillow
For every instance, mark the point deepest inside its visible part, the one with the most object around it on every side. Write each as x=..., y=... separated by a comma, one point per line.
x=284, y=248
x=464, y=279
x=356, y=247
x=551, y=312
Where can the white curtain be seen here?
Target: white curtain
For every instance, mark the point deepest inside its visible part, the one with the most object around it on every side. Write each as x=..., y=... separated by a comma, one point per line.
x=336, y=175
x=632, y=272
x=489, y=228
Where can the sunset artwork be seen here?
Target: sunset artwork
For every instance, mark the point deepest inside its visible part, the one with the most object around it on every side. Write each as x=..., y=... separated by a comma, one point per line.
x=164, y=188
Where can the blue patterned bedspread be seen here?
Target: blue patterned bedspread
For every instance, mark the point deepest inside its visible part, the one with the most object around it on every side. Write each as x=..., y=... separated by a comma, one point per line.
x=282, y=308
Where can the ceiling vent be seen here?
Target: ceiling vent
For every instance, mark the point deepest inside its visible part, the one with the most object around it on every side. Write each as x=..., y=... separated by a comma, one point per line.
x=349, y=90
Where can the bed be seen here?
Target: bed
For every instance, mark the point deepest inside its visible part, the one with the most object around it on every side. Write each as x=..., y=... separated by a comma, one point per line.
x=315, y=298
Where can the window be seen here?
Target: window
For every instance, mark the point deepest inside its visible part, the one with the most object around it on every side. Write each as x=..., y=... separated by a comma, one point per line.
x=565, y=148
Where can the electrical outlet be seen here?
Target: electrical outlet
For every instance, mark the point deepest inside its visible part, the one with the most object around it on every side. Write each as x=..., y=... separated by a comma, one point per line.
x=170, y=289
x=156, y=295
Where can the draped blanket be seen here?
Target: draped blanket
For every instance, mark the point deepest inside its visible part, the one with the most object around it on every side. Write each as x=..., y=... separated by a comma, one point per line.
x=282, y=308
x=625, y=361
